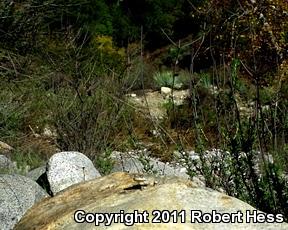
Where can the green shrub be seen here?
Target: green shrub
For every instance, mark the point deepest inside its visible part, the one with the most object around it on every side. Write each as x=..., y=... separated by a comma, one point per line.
x=104, y=163
x=242, y=169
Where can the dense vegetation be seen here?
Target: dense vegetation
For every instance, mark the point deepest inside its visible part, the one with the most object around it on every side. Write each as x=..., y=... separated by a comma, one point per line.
x=66, y=66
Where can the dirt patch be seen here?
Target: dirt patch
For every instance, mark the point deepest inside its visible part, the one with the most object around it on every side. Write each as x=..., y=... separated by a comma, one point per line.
x=153, y=102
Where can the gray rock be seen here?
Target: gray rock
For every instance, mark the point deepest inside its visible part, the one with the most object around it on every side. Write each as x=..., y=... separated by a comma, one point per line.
x=6, y=165
x=132, y=163
x=141, y=163
x=69, y=168
x=36, y=173
x=126, y=163
x=17, y=195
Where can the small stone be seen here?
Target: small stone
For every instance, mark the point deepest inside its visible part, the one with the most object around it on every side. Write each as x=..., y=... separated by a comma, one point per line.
x=166, y=90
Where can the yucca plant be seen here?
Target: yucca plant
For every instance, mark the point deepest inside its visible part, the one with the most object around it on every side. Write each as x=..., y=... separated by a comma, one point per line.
x=165, y=79
x=205, y=80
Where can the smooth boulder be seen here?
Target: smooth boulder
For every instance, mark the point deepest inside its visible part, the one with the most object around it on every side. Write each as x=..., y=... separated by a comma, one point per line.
x=121, y=193
x=67, y=168
x=17, y=195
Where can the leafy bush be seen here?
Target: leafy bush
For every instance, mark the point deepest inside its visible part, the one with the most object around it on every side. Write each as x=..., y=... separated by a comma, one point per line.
x=244, y=171
x=104, y=163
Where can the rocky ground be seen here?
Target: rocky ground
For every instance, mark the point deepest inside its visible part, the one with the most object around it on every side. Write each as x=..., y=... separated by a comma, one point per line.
x=69, y=182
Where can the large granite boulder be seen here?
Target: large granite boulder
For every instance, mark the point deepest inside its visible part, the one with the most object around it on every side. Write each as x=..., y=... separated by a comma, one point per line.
x=17, y=195
x=133, y=197
x=67, y=168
